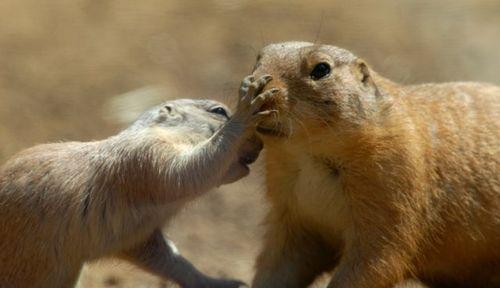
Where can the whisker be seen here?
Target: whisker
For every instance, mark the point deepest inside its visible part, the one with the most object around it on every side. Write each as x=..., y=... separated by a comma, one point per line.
x=320, y=27
x=314, y=113
x=301, y=123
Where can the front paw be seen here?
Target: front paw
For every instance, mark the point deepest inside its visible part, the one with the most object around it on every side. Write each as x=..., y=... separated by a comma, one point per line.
x=251, y=99
x=226, y=283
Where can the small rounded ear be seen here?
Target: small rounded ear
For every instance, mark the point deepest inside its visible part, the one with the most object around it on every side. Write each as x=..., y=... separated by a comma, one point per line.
x=363, y=75
x=167, y=108
x=164, y=113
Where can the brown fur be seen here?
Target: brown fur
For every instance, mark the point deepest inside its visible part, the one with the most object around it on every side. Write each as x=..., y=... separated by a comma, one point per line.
x=382, y=181
x=64, y=204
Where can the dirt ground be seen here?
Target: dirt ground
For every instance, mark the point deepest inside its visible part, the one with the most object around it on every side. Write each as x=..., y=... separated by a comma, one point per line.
x=68, y=69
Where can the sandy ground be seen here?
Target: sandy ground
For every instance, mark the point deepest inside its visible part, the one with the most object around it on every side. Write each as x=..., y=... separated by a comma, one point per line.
x=67, y=68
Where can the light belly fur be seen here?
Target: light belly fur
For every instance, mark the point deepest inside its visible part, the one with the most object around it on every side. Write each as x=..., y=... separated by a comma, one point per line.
x=320, y=198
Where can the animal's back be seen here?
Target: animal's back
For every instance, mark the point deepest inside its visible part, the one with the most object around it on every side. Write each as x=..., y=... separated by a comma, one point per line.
x=459, y=124
x=33, y=213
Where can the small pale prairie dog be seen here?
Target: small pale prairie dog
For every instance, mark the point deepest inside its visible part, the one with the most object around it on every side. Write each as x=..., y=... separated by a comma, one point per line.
x=379, y=181
x=68, y=203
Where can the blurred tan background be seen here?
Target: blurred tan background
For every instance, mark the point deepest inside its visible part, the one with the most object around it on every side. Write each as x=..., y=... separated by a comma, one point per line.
x=67, y=69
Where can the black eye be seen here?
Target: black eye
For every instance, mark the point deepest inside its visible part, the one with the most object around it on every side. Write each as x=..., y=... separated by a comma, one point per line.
x=220, y=111
x=320, y=71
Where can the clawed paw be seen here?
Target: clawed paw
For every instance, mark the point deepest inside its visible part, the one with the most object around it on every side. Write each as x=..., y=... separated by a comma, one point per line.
x=252, y=98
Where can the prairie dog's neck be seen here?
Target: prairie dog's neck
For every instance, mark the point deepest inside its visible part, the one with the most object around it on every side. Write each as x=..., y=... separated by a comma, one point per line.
x=143, y=164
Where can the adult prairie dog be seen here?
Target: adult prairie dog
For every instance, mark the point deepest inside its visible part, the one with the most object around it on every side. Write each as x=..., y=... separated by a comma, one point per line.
x=67, y=203
x=381, y=181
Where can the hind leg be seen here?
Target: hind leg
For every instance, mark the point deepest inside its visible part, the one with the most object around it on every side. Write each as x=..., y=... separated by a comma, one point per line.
x=161, y=258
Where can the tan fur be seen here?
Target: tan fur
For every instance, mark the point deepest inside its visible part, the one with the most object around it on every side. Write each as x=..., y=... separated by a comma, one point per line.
x=382, y=181
x=64, y=204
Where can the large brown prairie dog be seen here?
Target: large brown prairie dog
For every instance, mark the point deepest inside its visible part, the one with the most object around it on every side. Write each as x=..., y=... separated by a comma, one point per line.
x=381, y=181
x=67, y=203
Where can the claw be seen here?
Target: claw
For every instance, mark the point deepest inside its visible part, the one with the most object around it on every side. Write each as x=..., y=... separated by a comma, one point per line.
x=273, y=91
x=267, y=112
x=249, y=79
x=261, y=83
x=267, y=77
x=262, y=98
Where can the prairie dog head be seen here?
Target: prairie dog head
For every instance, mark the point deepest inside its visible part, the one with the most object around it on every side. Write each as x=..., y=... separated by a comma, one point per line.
x=189, y=121
x=321, y=87
x=192, y=118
